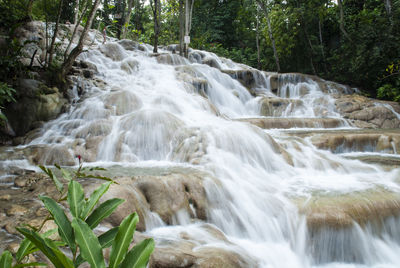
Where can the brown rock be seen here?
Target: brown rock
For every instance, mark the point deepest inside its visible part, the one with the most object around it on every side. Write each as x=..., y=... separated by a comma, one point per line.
x=16, y=210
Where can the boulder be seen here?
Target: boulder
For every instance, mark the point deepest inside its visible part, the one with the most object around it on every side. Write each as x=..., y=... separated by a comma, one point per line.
x=113, y=51
x=123, y=102
x=35, y=102
x=368, y=113
x=165, y=195
x=278, y=106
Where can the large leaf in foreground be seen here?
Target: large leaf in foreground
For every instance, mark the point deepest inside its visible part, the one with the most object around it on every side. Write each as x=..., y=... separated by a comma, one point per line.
x=24, y=249
x=94, y=198
x=105, y=241
x=88, y=243
x=64, y=225
x=57, y=182
x=76, y=198
x=108, y=237
x=6, y=259
x=139, y=255
x=103, y=211
x=123, y=239
x=54, y=254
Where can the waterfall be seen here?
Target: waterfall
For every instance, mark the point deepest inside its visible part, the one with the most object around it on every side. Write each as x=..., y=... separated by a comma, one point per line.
x=278, y=196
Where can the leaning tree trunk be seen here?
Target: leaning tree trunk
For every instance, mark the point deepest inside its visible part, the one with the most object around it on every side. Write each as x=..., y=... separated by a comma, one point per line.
x=53, y=40
x=156, y=17
x=188, y=23
x=127, y=18
x=264, y=8
x=67, y=65
x=322, y=45
x=258, y=39
x=29, y=10
x=76, y=15
x=121, y=20
x=341, y=20
x=75, y=30
x=181, y=26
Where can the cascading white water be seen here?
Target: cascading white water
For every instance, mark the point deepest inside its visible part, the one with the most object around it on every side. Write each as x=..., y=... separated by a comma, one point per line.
x=146, y=113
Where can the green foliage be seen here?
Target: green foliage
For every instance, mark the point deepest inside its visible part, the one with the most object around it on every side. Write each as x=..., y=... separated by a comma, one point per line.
x=77, y=235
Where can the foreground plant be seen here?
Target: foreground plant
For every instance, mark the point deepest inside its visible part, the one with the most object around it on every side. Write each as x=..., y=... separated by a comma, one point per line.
x=77, y=235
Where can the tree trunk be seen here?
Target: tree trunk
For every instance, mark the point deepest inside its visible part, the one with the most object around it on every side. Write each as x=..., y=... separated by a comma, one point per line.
x=53, y=40
x=156, y=17
x=181, y=26
x=67, y=65
x=258, y=39
x=264, y=8
x=75, y=30
x=188, y=23
x=127, y=18
x=322, y=45
x=29, y=10
x=121, y=11
x=341, y=20
x=388, y=7
x=76, y=15
x=138, y=15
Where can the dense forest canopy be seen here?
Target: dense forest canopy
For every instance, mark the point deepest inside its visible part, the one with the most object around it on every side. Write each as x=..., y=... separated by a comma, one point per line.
x=356, y=42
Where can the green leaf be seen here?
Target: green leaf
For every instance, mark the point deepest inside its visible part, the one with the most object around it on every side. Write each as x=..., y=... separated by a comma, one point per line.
x=24, y=249
x=94, y=198
x=47, y=249
x=64, y=225
x=88, y=243
x=105, y=241
x=76, y=198
x=103, y=211
x=123, y=239
x=31, y=264
x=108, y=237
x=57, y=183
x=84, y=175
x=6, y=259
x=59, y=254
x=79, y=260
x=139, y=255
x=64, y=172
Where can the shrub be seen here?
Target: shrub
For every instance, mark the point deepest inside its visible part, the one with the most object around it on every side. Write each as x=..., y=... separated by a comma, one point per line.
x=77, y=235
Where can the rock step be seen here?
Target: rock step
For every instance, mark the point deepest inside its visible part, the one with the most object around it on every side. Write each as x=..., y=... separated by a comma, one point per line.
x=354, y=140
x=287, y=123
x=388, y=162
x=332, y=221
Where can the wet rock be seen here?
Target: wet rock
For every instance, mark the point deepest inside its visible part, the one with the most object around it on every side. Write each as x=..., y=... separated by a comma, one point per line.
x=164, y=195
x=130, y=65
x=251, y=79
x=362, y=141
x=368, y=113
x=129, y=44
x=100, y=127
x=278, y=106
x=50, y=155
x=34, y=106
x=113, y=51
x=171, y=59
x=87, y=73
x=123, y=102
x=192, y=251
x=16, y=210
x=342, y=210
x=212, y=63
x=285, y=123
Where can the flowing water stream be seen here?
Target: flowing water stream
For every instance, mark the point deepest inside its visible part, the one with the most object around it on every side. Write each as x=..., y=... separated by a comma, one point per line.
x=166, y=111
